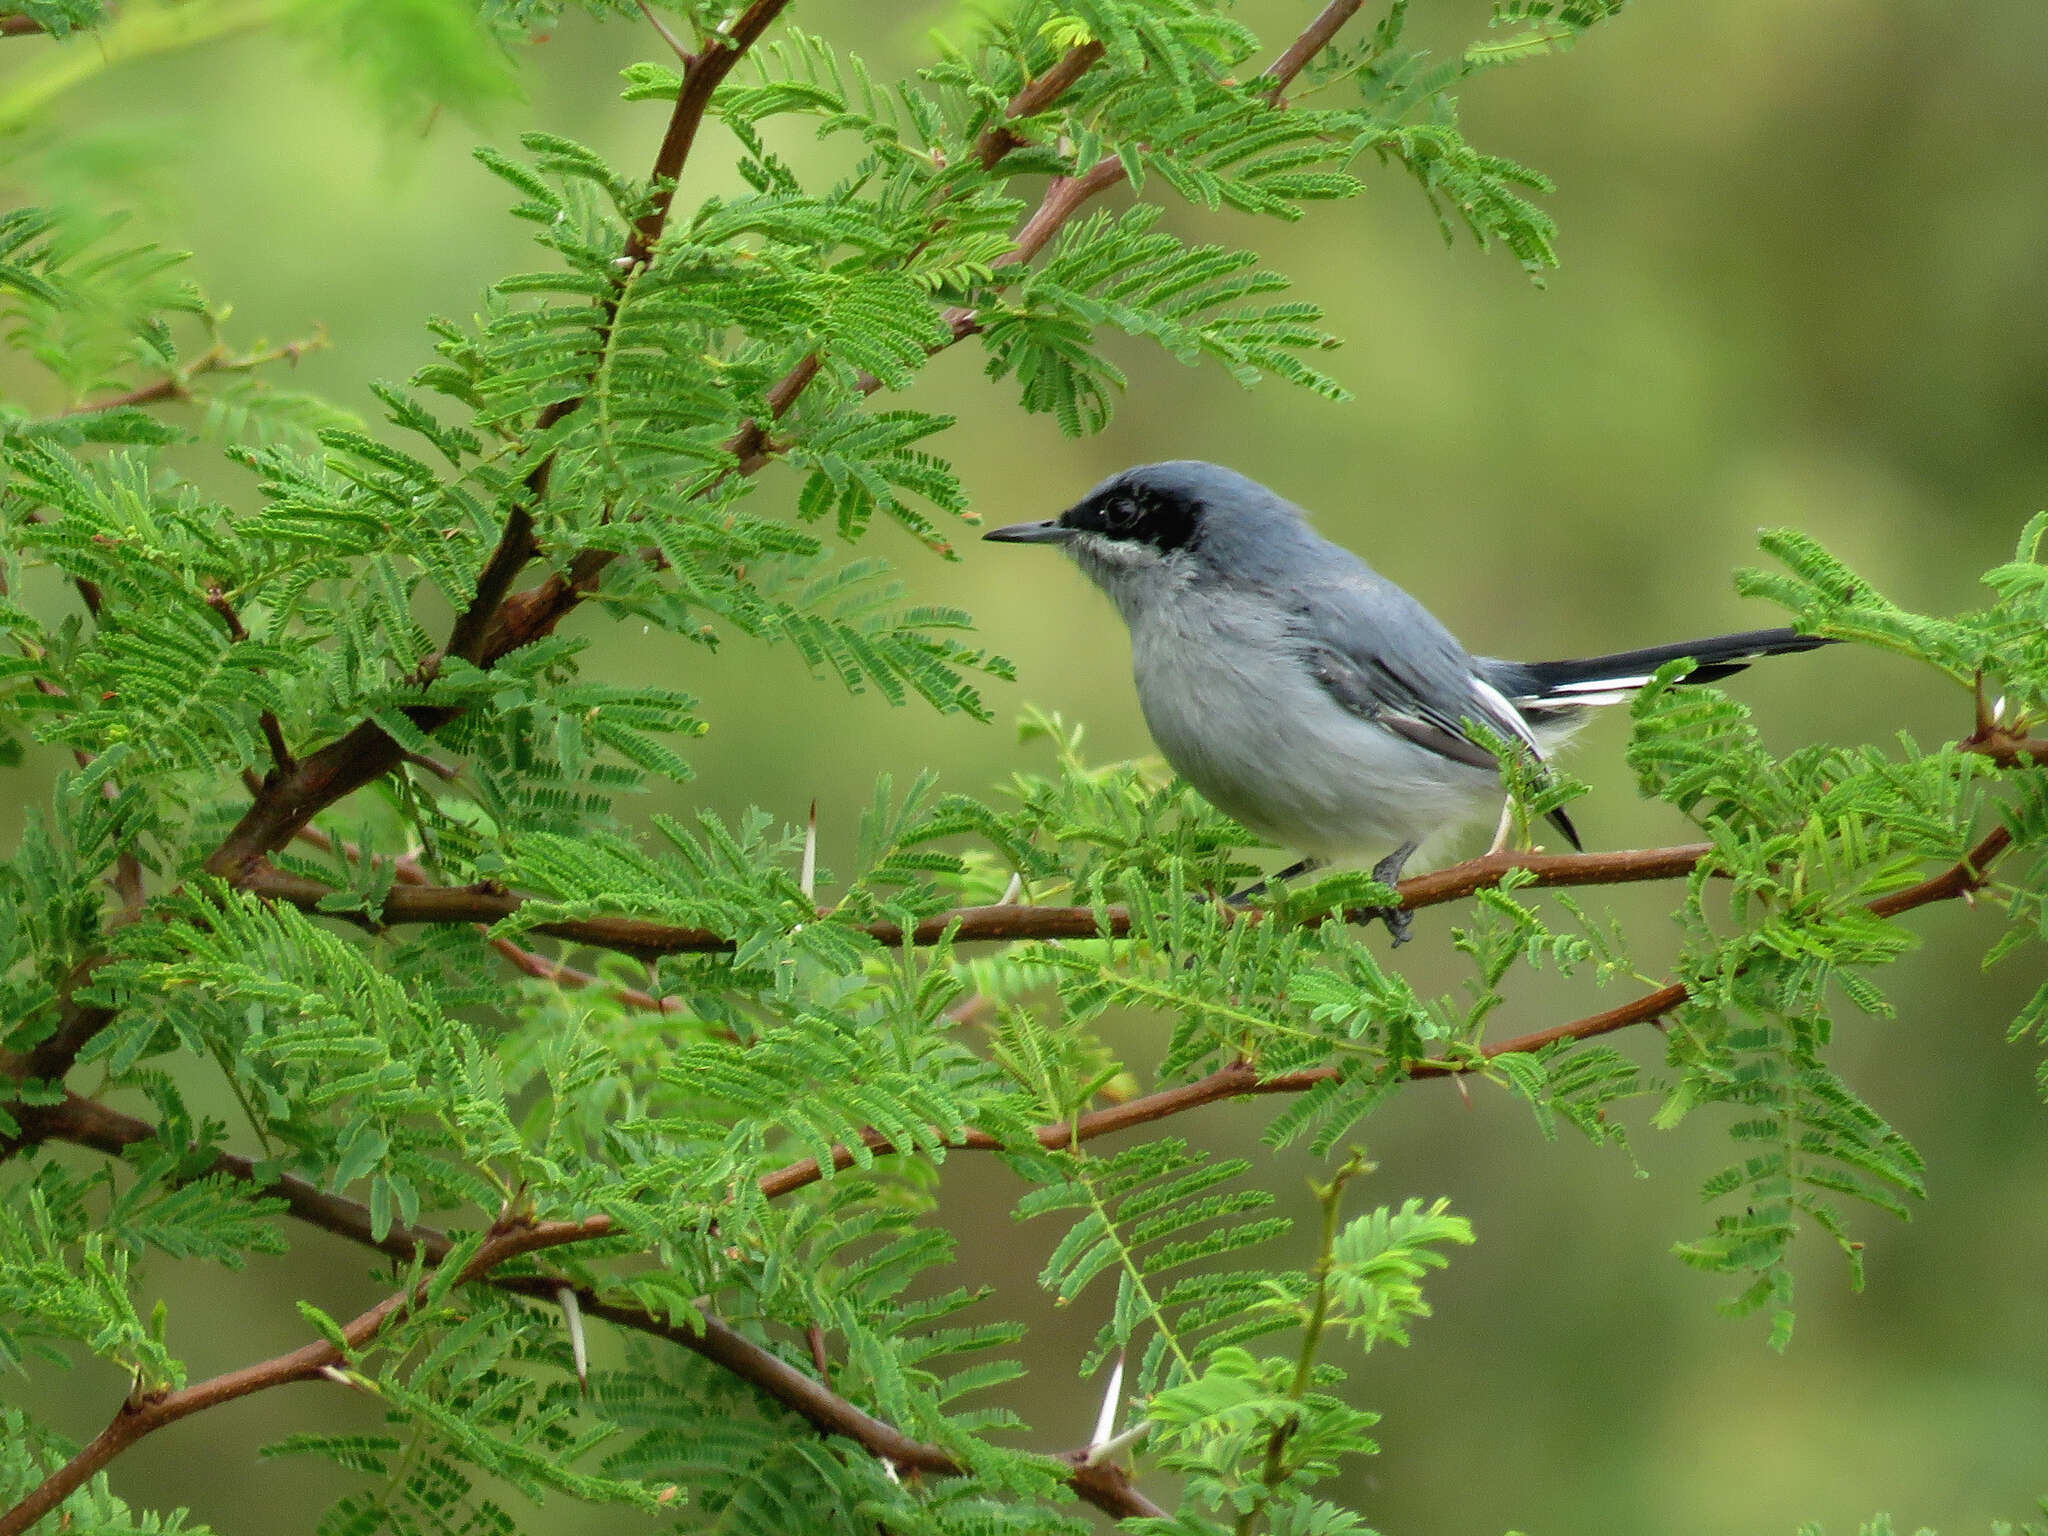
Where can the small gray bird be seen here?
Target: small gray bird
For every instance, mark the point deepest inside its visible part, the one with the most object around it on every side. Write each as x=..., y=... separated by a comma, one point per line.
x=1305, y=694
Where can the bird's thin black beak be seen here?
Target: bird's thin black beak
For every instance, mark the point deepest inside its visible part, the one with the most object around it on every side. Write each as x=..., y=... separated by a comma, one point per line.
x=1030, y=533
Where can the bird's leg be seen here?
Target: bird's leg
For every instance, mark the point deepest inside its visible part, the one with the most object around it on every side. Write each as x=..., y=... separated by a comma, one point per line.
x=1507, y=825
x=1253, y=892
x=1388, y=872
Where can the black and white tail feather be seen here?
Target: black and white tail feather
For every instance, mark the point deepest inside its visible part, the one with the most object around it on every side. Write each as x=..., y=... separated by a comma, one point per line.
x=1538, y=688
x=1550, y=696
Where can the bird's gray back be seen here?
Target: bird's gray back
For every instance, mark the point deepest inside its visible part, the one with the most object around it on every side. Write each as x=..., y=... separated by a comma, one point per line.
x=1332, y=599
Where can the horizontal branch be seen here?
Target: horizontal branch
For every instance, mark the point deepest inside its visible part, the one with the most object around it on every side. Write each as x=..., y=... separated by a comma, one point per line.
x=1243, y=1080
x=644, y=939
x=177, y=384
x=86, y=1123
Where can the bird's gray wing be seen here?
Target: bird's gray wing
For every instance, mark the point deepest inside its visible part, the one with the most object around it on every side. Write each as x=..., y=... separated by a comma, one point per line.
x=1368, y=695
x=1385, y=658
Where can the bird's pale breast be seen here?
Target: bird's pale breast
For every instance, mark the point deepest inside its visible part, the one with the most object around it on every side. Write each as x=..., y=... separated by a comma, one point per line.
x=1238, y=714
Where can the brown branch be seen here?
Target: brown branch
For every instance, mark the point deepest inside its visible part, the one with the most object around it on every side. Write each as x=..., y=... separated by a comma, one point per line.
x=1063, y=198
x=1068, y=194
x=273, y=731
x=89, y=1124
x=20, y=26
x=542, y=968
x=2008, y=749
x=145, y=1413
x=1002, y=922
x=1966, y=877
x=177, y=385
x=493, y=622
x=998, y=139
x=701, y=78
x=1318, y=35
x=753, y=444
x=169, y=387
x=84, y=1122
x=1242, y=1080
x=407, y=871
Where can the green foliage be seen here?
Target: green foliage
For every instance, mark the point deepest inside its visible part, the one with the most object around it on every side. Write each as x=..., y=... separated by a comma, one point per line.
x=1882, y=1526
x=672, y=419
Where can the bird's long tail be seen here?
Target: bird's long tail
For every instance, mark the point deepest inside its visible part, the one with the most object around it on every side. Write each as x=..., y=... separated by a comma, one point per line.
x=1546, y=688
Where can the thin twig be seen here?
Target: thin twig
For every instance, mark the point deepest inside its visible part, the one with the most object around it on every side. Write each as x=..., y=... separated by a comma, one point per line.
x=273, y=731
x=177, y=385
x=998, y=139
x=674, y=42
x=753, y=444
x=407, y=871
x=1317, y=36
x=1002, y=922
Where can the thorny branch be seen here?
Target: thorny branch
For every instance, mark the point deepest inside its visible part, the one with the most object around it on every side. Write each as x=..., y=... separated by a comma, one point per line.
x=86, y=1123
x=1242, y=1079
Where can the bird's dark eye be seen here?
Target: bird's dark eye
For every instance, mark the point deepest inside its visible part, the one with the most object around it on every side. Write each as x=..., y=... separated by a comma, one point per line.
x=1120, y=514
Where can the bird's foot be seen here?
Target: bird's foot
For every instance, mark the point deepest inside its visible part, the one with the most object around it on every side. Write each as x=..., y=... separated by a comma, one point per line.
x=1399, y=920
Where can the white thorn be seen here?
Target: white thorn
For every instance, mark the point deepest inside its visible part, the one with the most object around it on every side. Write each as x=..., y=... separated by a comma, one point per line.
x=1098, y=1454
x=1998, y=711
x=890, y=1468
x=808, y=879
x=338, y=1376
x=1105, y=1422
x=1500, y=833
x=1013, y=890
x=572, y=1314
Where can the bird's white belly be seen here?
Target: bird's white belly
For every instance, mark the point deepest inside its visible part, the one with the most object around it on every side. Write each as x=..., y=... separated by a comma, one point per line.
x=1240, y=717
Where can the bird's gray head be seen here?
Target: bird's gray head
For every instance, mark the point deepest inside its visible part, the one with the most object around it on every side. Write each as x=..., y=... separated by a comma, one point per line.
x=1164, y=523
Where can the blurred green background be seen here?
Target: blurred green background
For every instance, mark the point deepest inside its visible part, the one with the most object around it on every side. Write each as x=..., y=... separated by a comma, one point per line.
x=1804, y=255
